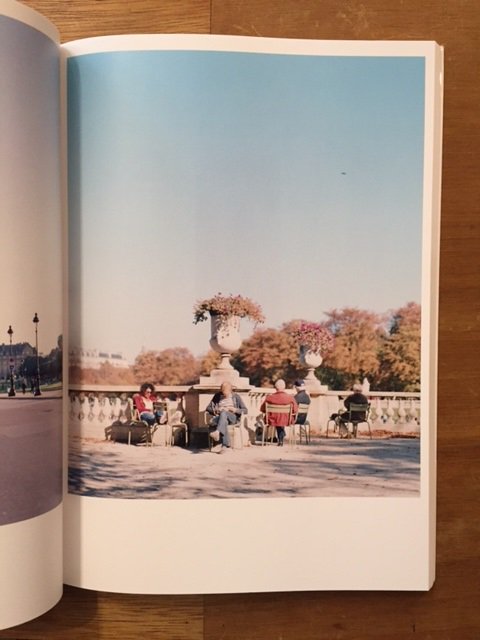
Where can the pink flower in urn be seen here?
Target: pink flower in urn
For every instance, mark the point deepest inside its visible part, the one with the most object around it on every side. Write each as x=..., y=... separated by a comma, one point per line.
x=313, y=337
x=226, y=306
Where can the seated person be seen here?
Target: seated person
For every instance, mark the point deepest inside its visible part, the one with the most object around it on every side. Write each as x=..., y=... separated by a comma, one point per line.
x=226, y=407
x=301, y=397
x=357, y=397
x=144, y=404
x=280, y=420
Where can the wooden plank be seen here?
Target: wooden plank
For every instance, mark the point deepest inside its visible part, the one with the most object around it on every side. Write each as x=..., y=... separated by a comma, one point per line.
x=87, y=18
x=88, y=615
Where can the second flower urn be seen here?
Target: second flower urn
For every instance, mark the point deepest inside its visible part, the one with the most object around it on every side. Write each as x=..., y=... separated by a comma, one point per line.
x=312, y=359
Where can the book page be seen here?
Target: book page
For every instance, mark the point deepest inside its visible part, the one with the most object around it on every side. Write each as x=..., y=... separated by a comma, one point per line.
x=295, y=185
x=30, y=317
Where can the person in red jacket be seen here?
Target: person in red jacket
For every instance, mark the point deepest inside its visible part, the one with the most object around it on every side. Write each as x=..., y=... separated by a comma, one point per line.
x=280, y=420
x=144, y=404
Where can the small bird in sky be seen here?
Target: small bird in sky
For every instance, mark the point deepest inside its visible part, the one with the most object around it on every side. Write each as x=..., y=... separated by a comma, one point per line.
x=344, y=173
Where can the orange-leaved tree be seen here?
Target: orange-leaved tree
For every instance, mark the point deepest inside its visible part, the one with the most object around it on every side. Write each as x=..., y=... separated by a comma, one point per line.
x=358, y=337
x=269, y=354
x=173, y=366
x=400, y=352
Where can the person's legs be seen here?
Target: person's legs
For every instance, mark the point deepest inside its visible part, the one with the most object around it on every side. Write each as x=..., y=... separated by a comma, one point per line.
x=159, y=416
x=280, y=435
x=224, y=419
x=148, y=417
x=343, y=426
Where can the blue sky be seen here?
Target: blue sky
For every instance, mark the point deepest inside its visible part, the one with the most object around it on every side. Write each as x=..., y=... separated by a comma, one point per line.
x=295, y=180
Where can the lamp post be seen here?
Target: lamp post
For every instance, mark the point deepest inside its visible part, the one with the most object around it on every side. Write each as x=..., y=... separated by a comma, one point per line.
x=37, y=391
x=11, y=391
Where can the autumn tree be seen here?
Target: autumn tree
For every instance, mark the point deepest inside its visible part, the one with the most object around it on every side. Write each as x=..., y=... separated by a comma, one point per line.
x=172, y=366
x=268, y=354
x=358, y=338
x=105, y=374
x=400, y=352
x=207, y=362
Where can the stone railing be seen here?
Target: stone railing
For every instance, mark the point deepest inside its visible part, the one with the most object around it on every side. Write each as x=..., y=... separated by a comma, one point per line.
x=96, y=407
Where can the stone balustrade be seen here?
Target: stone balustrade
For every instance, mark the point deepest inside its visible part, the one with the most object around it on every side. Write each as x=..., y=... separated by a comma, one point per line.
x=96, y=407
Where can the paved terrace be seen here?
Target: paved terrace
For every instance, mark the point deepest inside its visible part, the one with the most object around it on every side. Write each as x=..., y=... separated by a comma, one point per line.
x=30, y=456
x=329, y=468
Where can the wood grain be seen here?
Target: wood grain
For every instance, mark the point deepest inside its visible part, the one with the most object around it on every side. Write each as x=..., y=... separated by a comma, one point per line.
x=87, y=18
x=450, y=611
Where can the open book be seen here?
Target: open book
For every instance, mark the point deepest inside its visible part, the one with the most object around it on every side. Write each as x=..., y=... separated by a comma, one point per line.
x=148, y=183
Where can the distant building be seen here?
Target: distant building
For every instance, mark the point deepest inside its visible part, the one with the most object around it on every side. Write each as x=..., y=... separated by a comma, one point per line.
x=19, y=353
x=93, y=358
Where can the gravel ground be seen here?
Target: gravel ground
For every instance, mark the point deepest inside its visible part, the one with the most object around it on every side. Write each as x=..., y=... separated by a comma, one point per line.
x=330, y=468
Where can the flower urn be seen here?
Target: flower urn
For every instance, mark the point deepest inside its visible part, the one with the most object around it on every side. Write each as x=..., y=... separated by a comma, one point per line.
x=225, y=331
x=312, y=359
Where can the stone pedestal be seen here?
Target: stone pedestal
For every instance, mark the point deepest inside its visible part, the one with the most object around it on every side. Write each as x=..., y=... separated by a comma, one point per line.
x=321, y=407
x=218, y=376
x=314, y=386
x=198, y=397
x=312, y=360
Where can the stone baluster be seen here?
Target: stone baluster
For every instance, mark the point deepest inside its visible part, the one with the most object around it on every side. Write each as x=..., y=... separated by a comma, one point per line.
x=82, y=406
x=116, y=408
x=402, y=414
x=94, y=409
x=377, y=411
x=104, y=408
x=389, y=413
x=412, y=410
x=75, y=408
x=124, y=409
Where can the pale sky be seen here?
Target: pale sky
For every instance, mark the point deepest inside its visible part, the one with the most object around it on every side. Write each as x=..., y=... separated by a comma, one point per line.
x=295, y=180
x=30, y=232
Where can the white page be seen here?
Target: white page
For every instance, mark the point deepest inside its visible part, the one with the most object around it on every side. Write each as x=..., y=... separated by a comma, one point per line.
x=166, y=544
x=31, y=265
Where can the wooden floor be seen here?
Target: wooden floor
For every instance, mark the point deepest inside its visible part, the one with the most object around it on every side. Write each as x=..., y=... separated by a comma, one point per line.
x=451, y=611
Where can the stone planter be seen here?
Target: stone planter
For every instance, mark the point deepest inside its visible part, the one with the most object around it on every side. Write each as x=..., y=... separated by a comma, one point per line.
x=225, y=338
x=312, y=360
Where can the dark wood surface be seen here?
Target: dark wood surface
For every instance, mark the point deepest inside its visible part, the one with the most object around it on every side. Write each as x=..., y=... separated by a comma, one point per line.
x=451, y=610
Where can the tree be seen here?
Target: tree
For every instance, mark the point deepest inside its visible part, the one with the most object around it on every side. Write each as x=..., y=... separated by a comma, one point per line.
x=172, y=366
x=207, y=362
x=106, y=374
x=358, y=338
x=267, y=355
x=400, y=352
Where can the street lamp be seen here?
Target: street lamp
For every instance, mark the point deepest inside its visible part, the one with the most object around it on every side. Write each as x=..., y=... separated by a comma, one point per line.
x=11, y=391
x=37, y=391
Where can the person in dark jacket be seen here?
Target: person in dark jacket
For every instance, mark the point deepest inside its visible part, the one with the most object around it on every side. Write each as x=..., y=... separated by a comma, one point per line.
x=357, y=397
x=301, y=397
x=225, y=407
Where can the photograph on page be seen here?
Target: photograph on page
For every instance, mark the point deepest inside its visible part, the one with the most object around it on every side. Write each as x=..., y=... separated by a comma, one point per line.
x=245, y=275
